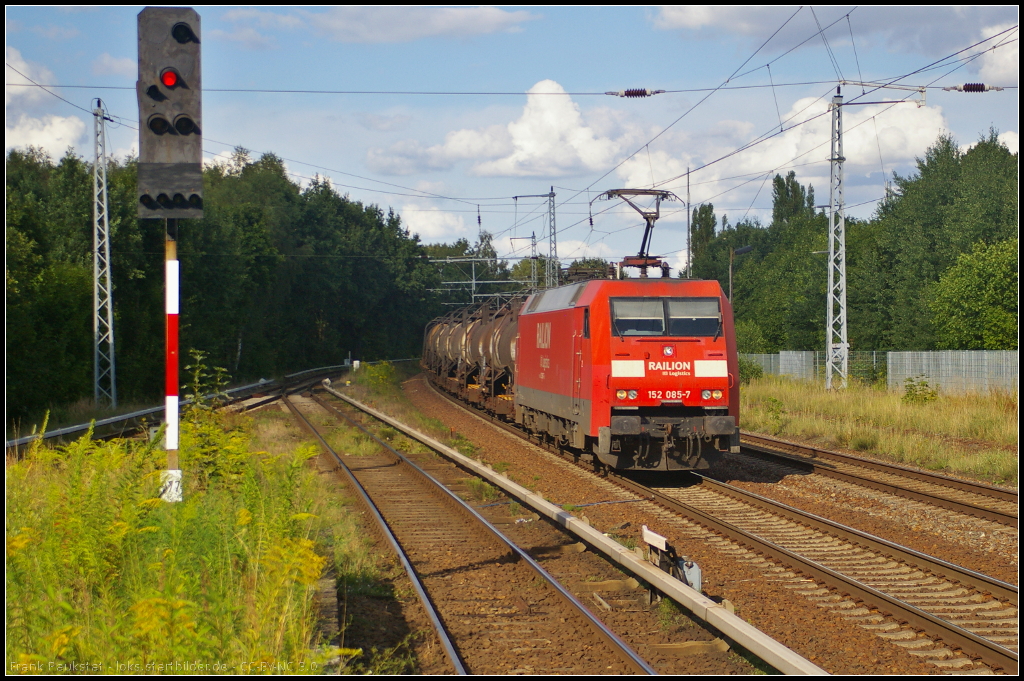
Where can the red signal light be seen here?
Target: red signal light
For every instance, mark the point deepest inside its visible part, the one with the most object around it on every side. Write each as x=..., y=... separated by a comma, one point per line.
x=169, y=78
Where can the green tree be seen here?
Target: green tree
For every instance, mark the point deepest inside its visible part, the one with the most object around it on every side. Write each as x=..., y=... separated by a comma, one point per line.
x=702, y=233
x=790, y=200
x=975, y=302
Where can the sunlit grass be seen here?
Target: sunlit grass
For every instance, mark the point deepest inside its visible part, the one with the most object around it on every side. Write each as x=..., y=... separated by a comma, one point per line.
x=973, y=435
x=100, y=569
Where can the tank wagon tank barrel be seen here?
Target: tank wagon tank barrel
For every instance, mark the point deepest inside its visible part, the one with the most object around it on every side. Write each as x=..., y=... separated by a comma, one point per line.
x=471, y=353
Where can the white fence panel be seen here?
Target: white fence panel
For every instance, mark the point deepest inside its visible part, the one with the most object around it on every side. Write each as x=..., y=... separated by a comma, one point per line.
x=797, y=363
x=955, y=370
x=769, y=363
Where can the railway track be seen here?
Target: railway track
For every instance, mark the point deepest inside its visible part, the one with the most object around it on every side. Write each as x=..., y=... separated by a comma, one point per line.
x=496, y=611
x=988, y=502
x=894, y=591
x=963, y=609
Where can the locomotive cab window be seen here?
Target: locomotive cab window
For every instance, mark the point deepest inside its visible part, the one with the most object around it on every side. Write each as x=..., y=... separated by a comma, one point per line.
x=666, y=317
x=693, y=317
x=638, y=317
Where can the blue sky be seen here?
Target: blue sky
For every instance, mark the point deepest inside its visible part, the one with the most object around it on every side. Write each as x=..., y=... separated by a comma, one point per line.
x=550, y=129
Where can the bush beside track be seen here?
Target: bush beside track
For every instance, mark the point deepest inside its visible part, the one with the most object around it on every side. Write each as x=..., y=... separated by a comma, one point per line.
x=102, y=573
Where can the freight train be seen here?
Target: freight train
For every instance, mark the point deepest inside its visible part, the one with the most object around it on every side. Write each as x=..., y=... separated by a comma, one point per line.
x=640, y=373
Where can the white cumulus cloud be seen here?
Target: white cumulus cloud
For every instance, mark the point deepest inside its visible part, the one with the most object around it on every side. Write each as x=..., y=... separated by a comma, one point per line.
x=53, y=134
x=1011, y=140
x=19, y=95
x=900, y=133
x=1001, y=66
x=433, y=224
x=552, y=138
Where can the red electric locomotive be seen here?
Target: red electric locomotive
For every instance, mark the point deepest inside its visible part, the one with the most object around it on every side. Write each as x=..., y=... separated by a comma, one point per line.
x=642, y=373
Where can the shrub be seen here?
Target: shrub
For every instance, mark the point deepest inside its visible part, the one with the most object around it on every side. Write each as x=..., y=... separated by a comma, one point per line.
x=749, y=370
x=917, y=391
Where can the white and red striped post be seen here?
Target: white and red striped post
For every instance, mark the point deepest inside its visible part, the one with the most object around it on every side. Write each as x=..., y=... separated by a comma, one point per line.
x=171, y=478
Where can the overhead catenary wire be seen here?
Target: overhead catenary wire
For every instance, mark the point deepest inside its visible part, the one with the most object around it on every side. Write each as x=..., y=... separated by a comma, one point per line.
x=828, y=48
x=415, y=193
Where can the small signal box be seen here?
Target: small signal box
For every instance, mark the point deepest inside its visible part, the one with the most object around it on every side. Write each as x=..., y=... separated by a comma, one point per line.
x=170, y=94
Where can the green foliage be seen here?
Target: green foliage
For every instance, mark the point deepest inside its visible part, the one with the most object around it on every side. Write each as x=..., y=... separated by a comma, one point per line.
x=974, y=303
x=749, y=337
x=864, y=442
x=463, y=446
x=917, y=391
x=749, y=370
x=909, y=287
x=957, y=201
x=775, y=410
x=481, y=490
x=702, y=232
x=101, y=570
x=206, y=385
x=671, y=616
x=380, y=376
x=274, y=278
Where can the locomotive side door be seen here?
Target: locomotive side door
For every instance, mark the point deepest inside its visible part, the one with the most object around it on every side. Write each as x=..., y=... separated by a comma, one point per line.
x=581, y=333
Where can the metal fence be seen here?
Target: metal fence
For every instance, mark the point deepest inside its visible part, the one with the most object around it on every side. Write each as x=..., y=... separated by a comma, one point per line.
x=955, y=370
x=946, y=370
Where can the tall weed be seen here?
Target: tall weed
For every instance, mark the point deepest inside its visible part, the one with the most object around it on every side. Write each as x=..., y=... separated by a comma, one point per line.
x=974, y=434
x=101, y=572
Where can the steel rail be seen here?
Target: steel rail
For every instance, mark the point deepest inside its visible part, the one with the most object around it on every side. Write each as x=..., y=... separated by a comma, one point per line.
x=236, y=395
x=972, y=644
x=762, y=443
x=603, y=631
x=937, y=566
x=435, y=618
x=964, y=507
x=740, y=631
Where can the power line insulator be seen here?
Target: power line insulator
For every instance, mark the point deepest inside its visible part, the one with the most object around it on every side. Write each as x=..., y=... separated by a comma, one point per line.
x=972, y=87
x=635, y=92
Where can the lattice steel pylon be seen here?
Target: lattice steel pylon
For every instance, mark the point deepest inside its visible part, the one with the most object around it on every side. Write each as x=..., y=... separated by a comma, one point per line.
x=104, y=374
x=837, y=347
x=551, y=269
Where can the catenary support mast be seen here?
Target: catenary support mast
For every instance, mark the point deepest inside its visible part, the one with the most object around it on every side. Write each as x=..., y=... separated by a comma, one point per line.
x=104, y=374
x=838, y=359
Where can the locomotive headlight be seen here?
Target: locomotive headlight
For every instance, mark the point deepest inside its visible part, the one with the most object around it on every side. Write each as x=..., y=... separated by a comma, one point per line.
x=716, y=394
x=632, y=394
x=705, y=394
x=620, y=394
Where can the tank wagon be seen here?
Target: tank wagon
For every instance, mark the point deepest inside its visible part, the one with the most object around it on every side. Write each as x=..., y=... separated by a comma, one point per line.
x=641, y=373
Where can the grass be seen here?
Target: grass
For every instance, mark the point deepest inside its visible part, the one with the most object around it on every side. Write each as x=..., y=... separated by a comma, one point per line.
x=100, y=570
x=671, y=615
x=74, y=414
x=972, y=434
x=481, y=490
x=380, y=386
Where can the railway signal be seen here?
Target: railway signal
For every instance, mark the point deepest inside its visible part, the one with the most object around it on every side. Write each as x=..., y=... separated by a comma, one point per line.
x=170, y=180
x=170, y=96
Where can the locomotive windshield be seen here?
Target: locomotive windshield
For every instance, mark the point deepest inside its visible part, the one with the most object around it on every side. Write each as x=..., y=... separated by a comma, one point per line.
x=666, y=317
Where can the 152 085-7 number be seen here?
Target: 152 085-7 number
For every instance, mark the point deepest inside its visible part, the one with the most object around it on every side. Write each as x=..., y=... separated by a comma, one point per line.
x=667, y=394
